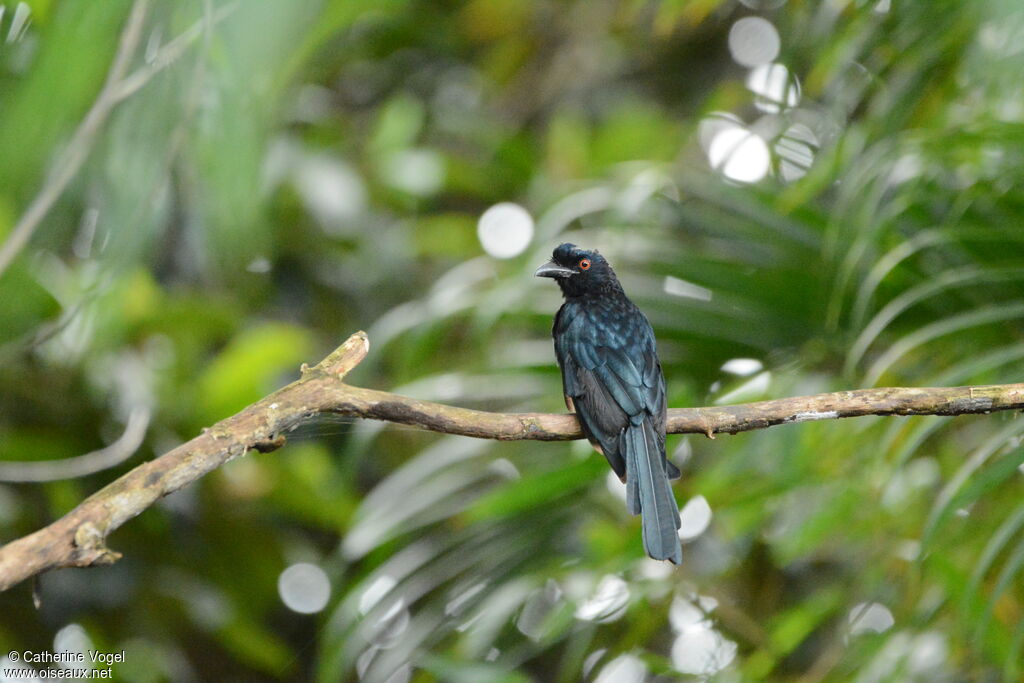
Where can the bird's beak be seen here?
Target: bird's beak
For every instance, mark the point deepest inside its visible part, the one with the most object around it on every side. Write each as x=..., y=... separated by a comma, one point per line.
x=552, y=269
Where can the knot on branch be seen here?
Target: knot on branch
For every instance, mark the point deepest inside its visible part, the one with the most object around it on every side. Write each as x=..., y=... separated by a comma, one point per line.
x=92, y=546
x=270, y=444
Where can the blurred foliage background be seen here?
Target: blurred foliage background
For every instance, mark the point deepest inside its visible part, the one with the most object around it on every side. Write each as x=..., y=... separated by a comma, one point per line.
x=803, y=195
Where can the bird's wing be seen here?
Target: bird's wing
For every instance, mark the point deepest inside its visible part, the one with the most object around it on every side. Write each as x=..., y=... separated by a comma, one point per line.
x=612, y=379
x=601, y=416
x=624, y=394
x=638, y=393
x=655, y=400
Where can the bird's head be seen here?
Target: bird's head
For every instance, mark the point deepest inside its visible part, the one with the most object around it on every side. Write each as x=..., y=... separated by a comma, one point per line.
x=579, y=271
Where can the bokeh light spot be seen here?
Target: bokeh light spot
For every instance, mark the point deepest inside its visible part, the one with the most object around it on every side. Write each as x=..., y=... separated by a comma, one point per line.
x=740, y=155
x=304, y=588
x=688, y=615
x=742, y=367
x=505, y=230
x=72, y=638
x=795, y=149
x=623, y=669
x=419, y=172
x=617, y=488
x=608, y=602
x=694, y=518
x=533, y=620
x=713, y=124
x=753, y=41
x=331, y=190
x=870, y=617
x=776, y=88
x=702, y=651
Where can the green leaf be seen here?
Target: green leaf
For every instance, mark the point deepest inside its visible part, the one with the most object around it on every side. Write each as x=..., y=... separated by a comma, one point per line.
x=251, y=365
x=533, y=490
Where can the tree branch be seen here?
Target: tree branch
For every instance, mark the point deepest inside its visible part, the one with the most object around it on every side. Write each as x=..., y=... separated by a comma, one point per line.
x=79, y=538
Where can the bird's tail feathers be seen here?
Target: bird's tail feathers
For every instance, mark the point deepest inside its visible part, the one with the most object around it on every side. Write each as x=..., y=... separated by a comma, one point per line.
x=649, y=493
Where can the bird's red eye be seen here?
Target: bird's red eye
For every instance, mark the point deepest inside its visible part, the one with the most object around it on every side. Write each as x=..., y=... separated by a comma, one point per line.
x=584, y=264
